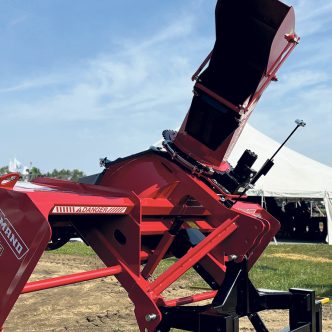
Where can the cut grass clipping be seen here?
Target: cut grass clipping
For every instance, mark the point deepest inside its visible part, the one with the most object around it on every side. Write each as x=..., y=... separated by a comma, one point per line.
x=281, y=267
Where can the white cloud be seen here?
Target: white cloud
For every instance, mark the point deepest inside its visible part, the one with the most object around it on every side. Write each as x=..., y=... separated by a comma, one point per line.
x=30, y=84
x=312, y=16
x=140, y=75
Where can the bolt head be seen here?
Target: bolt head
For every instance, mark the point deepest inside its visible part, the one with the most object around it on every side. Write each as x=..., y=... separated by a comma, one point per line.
x=150, y=317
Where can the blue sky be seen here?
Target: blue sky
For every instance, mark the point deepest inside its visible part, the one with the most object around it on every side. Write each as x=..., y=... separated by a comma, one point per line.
x=87, y=79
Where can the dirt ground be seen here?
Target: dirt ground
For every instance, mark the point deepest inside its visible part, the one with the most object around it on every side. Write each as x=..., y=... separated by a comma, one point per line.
x=99, y=305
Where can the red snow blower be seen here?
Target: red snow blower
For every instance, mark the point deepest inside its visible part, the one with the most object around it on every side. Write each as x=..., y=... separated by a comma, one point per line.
x=182, y=200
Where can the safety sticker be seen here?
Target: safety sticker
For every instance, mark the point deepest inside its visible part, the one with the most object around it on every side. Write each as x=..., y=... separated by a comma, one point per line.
x=71, y=209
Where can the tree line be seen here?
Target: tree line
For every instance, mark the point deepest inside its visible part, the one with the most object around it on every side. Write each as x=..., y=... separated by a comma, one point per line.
x=63, y=174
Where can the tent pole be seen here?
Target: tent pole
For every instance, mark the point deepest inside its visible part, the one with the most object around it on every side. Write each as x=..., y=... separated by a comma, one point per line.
x=263, y=205
x=328, y=208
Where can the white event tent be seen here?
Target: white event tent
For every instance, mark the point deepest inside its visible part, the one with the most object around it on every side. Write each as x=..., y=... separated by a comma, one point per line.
x=293, y=174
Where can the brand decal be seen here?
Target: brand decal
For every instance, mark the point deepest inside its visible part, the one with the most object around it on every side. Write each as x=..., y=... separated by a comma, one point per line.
x=71, y=209
x=12, y=238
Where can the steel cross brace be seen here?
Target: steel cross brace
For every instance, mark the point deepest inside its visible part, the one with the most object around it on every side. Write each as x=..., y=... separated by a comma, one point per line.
x=194, y=255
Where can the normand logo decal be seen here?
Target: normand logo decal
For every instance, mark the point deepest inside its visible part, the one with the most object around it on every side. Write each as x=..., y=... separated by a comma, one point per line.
x=13, y=239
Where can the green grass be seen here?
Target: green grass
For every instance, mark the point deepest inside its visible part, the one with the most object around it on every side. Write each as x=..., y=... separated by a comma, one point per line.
x=312, y=270
x=74, y=248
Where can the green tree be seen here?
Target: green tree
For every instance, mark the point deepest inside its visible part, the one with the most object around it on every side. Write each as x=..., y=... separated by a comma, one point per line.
x=4, y=170
x=65, y=174
x=76, y=174
x=34, y=173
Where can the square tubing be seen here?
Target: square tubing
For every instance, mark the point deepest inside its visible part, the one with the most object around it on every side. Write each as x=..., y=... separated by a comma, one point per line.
x=161, y=249
x=194, y=255
x=302, y=310
x=197, y=319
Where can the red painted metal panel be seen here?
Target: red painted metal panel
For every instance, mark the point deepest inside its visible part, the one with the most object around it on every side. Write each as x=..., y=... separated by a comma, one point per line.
x=100, y=238
x=24, y=234
x=8, y=181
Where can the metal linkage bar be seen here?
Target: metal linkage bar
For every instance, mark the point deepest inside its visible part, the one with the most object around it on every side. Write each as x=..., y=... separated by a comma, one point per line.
x=257, y=323
x=194, y=255
x=217, y=97
x=292, y=42
x=70, y=279
x=191, y=299
x=162, y=248
x=200, y=68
